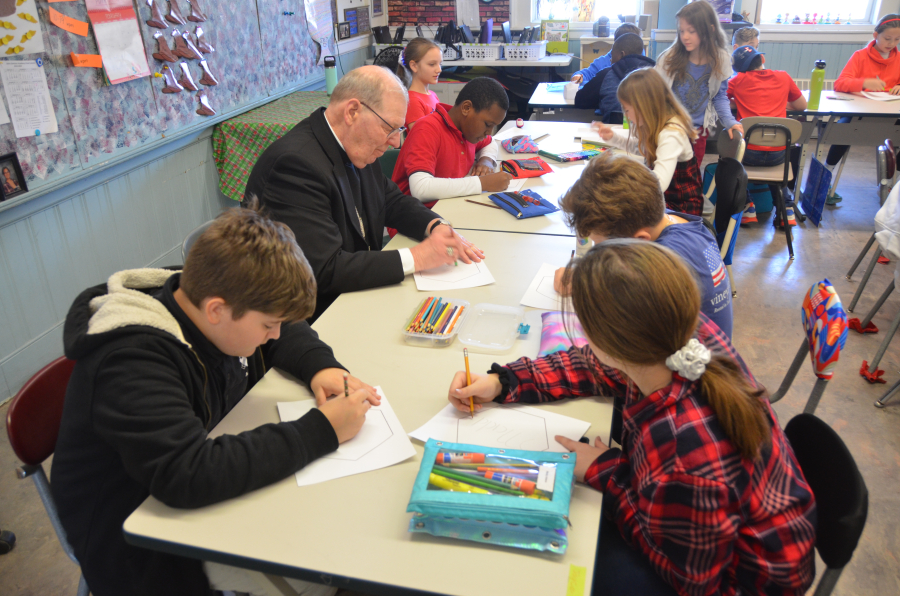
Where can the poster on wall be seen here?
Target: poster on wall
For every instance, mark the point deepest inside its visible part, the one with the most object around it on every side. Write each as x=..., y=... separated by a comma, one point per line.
x=377, y=8
x=20, y=30
x=119, y=39
x=320, y=24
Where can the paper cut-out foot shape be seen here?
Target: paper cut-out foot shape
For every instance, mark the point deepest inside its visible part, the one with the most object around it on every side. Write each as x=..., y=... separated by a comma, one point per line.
x=205, y=109
x=197, y=15
x=172, y=85
x=854, y=324
x=186, y=80
x=156, y=16
x=184, y=47
x=207, y=79
x=165, y=52
x=884, y=260
x=203, y=45
x=872, y=377
x=174, y=15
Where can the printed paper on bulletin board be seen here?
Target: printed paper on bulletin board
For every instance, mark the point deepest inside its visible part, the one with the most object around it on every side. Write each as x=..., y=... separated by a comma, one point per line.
x=321, y=27
x=105, y=119
x=51, y=156
x=20, y=28
x=232, y=28
x=289, y=53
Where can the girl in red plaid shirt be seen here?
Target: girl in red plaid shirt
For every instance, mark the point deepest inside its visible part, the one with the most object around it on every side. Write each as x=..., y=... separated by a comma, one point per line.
x=705, y=484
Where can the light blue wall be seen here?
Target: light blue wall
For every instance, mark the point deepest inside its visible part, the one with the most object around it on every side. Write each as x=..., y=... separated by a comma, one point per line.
x=133, y=214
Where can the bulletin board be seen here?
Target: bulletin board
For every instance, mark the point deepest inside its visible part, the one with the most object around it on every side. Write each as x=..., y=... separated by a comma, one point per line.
x=258, y=48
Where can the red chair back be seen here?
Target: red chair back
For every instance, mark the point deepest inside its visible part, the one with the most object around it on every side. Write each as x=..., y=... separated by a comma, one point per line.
x=32, y=421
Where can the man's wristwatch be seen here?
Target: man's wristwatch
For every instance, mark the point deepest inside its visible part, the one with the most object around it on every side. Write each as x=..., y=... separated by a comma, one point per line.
x=439, y=222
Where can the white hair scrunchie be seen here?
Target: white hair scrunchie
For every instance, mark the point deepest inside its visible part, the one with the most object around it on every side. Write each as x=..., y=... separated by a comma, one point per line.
x=690, y=361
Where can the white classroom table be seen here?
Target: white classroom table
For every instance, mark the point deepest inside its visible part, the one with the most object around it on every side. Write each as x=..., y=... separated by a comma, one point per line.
x=873, y=122
x=352, y=532
x=552, y=105
x=467, y=216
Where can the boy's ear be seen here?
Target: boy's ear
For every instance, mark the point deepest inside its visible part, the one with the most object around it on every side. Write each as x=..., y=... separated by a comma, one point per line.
x=215, y=310
x=763, y=57
x=466, y=107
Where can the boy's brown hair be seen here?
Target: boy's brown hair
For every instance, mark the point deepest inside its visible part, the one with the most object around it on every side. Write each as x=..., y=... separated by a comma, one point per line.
x=614, y=197
x=252, y=263
x=744, y=35
x=626, y=28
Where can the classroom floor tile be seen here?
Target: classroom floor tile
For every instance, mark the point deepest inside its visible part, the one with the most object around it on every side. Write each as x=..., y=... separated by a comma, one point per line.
x=767, y=332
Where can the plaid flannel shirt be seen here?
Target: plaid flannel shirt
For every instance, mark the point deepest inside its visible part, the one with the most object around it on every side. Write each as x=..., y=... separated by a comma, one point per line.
x=709, y=521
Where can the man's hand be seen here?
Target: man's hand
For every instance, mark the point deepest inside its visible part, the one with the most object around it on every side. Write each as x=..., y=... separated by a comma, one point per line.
x=484, y=388
x=605, y=132
x=443, y=247
x=586, y=454
x=347, y=414
x=577, y=78
x=483, y=167
x=738, y=127
x=329, y=382
x=562, y=288
x=875, y=84
x=495, y=182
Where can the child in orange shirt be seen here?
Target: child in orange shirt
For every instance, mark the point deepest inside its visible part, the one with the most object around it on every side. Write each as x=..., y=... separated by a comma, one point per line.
x=876, y=67
x=420, y=66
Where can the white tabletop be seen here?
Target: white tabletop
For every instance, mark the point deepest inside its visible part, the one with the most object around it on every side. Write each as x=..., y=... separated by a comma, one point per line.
x=848, y=104
x=467, y=216
x=356, y=527
x=543, y=97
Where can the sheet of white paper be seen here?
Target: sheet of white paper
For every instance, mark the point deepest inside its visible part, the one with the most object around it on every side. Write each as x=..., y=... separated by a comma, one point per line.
x=588, y=134
x=23, y=28
x=381, y=442
x=540, y=293
x=880, y=96
x=122, y=50
x=509, y=426
x=4, y=117
x=28, y=98
x=453, y=277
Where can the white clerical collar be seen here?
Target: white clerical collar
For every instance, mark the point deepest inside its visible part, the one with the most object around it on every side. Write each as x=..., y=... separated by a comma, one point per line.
x=334, y=133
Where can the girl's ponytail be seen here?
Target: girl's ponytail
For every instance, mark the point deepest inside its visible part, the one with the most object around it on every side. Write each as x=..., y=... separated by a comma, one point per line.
x=739, y=407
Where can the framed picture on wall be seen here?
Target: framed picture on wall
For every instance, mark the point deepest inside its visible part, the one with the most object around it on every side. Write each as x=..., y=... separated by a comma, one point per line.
x=12, y=182
x=343, y=30
x=377, y=8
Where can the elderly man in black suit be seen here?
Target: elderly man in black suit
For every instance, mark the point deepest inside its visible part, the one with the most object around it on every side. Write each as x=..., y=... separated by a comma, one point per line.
x=321, y=180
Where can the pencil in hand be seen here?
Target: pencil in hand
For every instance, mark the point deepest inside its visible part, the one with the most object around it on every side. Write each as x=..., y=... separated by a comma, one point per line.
x=346, y=385
x=469, y=382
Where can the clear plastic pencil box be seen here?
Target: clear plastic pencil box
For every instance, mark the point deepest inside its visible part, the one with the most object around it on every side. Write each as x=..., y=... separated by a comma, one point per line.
x=508, y=497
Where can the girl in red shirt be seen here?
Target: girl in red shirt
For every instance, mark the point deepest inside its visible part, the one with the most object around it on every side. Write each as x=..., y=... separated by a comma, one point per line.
x=876, y=67
x=705, y=485
x=420, y=66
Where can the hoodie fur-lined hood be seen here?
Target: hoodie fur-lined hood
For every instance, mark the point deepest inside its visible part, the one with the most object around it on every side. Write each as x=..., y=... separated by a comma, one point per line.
x=122, y=306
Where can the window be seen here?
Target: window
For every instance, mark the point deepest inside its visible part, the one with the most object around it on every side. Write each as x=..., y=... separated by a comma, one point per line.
x=586, y=11
x=860, y=12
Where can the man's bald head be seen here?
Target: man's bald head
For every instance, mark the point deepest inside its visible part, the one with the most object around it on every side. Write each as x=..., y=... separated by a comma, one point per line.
x=368, y=84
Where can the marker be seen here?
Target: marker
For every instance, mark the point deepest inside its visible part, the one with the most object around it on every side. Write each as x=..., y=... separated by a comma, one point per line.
x=455, y=485
x=459, y=458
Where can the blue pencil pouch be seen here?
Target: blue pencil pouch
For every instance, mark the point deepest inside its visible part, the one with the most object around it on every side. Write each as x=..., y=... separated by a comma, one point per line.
x=523, y=205
x=508, y=497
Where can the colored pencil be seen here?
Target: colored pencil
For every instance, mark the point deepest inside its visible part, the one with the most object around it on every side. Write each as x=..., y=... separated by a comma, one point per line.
x=446, y=323
x=484, y=204
x=418, y=314
x=442, y=318
x=488, y=484
x=469, y=382
x=445, y=483
x=436, y=317
x=455, y=319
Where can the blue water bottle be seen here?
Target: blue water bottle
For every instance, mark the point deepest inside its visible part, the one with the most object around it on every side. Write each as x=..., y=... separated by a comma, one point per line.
x=330, y=74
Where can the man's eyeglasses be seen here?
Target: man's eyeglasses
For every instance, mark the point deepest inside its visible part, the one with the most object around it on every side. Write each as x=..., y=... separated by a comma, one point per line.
x=399, y=129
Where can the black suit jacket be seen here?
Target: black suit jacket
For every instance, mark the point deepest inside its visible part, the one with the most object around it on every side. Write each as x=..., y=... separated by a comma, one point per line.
x=302, y=180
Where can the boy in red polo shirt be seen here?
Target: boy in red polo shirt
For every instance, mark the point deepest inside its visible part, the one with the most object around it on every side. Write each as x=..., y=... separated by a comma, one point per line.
x=450, y=152
x=760, y=92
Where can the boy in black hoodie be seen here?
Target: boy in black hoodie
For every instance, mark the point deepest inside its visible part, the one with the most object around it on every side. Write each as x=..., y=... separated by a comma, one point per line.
x=162, y=357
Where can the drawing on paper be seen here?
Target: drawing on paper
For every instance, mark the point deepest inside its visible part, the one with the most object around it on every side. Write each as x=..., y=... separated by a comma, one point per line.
x=452, y=273
x=373, y=433
x=504, y=427
x=545, y=288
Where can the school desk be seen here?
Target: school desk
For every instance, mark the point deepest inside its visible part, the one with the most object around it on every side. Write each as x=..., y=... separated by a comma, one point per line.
x=553, y=106
x=873, y=122
x=352, y=532
x=467, y=216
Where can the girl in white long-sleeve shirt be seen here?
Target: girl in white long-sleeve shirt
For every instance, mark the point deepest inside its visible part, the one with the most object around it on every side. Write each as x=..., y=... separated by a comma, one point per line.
x=661, y=131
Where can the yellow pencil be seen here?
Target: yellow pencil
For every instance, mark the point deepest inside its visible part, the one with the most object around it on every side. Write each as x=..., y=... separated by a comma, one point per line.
x=455, y=486
x=469, y=382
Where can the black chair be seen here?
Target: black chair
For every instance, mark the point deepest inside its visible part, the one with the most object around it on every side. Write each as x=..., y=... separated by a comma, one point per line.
x=842, y=500
x=388, y=161
x=389, y=58
x=731, y=198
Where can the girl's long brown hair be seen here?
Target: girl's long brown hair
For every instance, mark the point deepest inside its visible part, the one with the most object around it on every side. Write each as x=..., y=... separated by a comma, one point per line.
x=638, y=303
x=655, y=104
x=703, y=18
